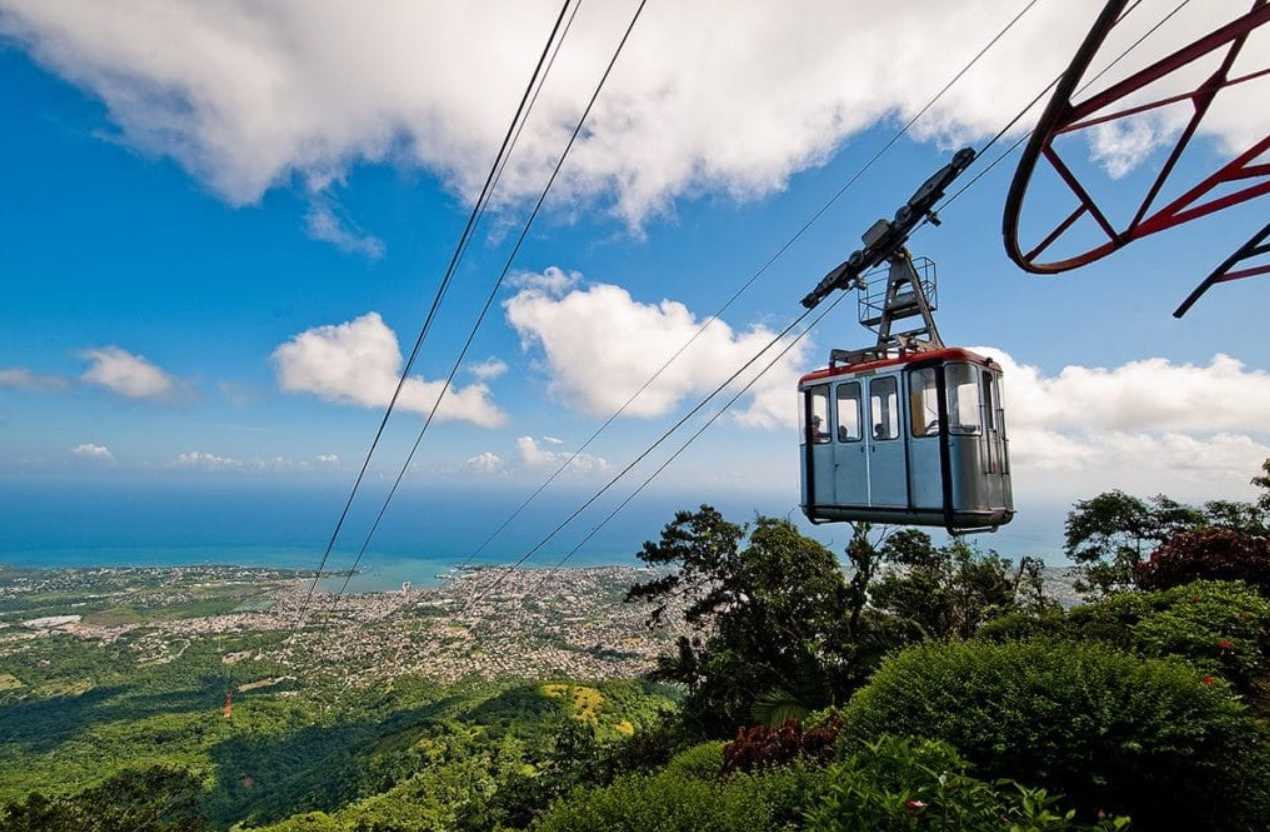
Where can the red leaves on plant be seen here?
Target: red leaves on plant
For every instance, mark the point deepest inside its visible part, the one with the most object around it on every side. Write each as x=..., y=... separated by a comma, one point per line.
x=1225, y=644
x=760, y=746
x=1210, y=553
x=1208, y=680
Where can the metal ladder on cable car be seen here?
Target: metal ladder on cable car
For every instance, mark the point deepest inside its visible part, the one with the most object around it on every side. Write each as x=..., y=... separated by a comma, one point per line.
x=906, y=294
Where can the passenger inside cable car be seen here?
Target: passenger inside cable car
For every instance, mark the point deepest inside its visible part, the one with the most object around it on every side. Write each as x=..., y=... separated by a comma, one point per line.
x=917, y=438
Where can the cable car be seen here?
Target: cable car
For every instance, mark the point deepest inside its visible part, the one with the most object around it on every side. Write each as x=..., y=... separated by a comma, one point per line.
x=917, y=439
x=907, y=430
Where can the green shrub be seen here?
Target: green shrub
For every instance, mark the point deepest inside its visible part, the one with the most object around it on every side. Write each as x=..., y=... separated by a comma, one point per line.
x=672, y=802
x=701, y=762
x=1146, y=738
x=1021, y=625
x=902, y=784
x=1220, y=627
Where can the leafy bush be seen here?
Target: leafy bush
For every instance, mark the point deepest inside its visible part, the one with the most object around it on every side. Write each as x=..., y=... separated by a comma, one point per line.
x=1218, y=554
x=1113, y=732
x=760, y=746
x=702, y=762
x=902, y=784
x=1220, y=627
x=672, y=802
x=1022, y=625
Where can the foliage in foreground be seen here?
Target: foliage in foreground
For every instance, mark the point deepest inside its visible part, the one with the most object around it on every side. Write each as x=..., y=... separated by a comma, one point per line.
x=1112, y=732
x=1222, y=628
x=893, y=784
x=902, y=784
x=677, y=801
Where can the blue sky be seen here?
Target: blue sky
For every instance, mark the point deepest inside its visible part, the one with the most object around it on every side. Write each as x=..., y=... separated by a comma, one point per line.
x=113, y=240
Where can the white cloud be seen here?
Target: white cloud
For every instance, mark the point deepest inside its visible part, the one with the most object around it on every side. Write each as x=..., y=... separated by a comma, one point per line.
x=553, y=280
x=552, y=440
x=1120, y=145
x=486, y=462
x=322, y=223
x=246, y=99
x=535, y=456
x=1194, y=431
x=328, y=459
x=126, y=374
x=202, y=459
x=91, y=451
x=600, y=345
x=489, y=369
x=359, y=362
x=22, y=378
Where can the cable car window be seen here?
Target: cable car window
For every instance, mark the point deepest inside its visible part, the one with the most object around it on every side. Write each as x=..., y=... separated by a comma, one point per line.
x=884, y=408
x=818, y=430
x=849, y=412
x=923, y=402
x=989, y=411
x=998, y=413
x=962, y=383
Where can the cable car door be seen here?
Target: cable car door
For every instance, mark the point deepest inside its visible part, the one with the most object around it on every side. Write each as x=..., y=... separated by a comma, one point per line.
x=818, y=448
x=851, y=456
x=888, y=472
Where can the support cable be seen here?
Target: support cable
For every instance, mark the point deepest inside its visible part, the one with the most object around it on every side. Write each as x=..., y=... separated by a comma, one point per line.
x=493, y=293
x=457, y=255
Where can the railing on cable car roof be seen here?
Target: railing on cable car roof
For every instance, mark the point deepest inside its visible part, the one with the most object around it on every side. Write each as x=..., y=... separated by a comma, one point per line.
x=871, y=295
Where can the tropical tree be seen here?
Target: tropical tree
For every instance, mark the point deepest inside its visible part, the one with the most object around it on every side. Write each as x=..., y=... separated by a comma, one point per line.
x=769, y=608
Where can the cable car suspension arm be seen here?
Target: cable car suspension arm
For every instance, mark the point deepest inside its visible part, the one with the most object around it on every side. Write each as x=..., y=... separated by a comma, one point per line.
x=886, y=238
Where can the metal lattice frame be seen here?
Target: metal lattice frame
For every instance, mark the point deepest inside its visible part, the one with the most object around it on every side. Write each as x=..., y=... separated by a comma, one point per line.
x=1257, y=245
x=1063, y=116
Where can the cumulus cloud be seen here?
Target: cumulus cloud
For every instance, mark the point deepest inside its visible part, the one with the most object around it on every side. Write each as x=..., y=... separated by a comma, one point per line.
x=202, y=459
x=359, y=362
x=486, y=462
x=328, y=459
x=91, y=451
x=700, y=101
x=126, y=374
x=322, y=223
x=535, y=456
x=23, y=379
x=489, y=369
x=1146, y=425
x=600, y=345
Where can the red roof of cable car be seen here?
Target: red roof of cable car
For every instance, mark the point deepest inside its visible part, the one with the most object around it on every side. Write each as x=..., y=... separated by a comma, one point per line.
x=949, y=354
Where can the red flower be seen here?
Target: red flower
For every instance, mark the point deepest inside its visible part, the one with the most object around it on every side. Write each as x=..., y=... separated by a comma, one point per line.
x=1225, y=644
x=914, y=806
x=1208, y=680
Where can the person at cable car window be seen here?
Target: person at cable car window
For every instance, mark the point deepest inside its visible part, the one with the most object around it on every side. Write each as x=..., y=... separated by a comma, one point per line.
x=819, y=434
x=879, y=431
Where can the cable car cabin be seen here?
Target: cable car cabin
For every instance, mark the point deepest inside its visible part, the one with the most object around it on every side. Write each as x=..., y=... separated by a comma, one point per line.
x=917, y=439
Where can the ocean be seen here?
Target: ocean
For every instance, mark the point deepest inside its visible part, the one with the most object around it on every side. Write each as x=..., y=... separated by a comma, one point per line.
x=51, y=523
